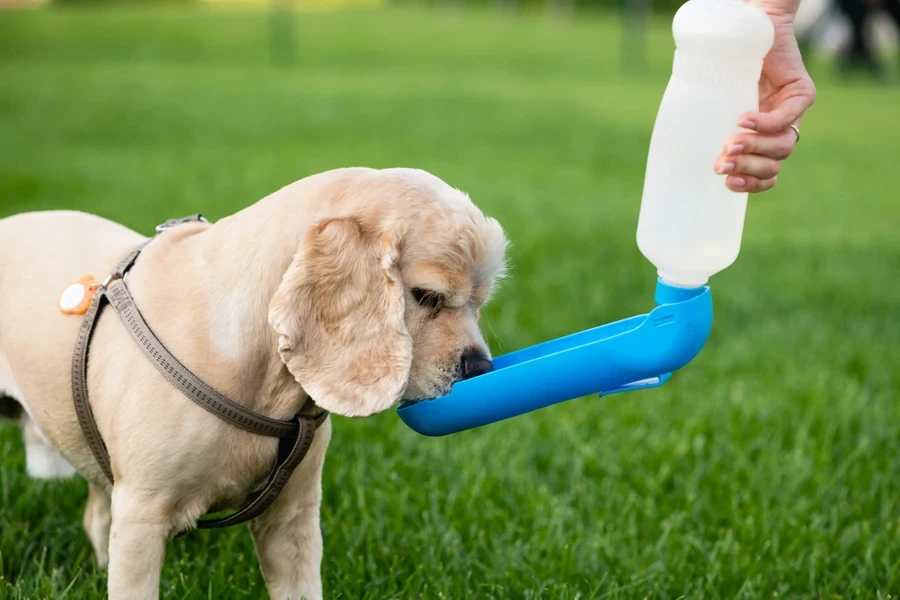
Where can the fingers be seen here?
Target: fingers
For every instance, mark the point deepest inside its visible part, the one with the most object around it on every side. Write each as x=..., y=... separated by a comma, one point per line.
x=760, y=167
x=749, y=183
x=752, y=160
x=776, y=146
x=779, y=119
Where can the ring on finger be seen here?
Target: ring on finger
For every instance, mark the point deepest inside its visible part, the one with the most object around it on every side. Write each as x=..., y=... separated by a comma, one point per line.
x=796, y=130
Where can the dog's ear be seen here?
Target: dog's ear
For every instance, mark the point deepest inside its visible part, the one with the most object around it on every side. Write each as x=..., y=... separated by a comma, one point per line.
x=339, y=316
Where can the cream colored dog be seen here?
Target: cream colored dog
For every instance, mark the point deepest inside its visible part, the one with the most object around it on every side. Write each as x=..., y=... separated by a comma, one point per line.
x=354, y=287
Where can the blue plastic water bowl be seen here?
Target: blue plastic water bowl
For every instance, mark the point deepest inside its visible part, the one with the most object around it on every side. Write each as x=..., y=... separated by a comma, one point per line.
x=631, y=354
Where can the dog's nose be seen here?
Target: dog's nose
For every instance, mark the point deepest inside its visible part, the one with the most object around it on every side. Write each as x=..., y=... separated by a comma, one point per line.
x=473, y=363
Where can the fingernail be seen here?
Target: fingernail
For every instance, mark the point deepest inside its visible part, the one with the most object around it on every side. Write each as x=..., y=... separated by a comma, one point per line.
x=735, y=149
x=724, y=168
x=736, y=182
x=747, y=123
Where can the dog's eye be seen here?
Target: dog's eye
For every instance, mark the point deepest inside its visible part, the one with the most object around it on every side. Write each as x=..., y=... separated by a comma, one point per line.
x=428, y=299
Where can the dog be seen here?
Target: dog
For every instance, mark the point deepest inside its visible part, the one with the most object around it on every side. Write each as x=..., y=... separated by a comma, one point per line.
x=352, y=289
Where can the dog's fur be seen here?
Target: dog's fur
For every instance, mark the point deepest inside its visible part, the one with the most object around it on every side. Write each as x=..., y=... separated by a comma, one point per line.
x=307, y=293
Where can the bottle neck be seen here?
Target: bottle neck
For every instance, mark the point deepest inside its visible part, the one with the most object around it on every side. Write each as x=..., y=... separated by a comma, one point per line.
x=669, y=294
x=682, y=279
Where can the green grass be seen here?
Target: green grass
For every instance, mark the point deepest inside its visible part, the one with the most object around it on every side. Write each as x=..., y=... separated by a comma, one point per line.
x=770, y=467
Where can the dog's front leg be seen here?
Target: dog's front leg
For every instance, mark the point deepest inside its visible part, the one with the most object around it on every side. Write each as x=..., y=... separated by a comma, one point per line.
x=287, y=537
x=137, y=544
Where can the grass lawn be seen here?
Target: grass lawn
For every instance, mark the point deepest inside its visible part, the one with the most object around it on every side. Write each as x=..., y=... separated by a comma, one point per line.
x=770, y=467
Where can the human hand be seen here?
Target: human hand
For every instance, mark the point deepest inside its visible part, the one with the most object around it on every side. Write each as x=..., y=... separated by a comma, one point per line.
x=752, y=159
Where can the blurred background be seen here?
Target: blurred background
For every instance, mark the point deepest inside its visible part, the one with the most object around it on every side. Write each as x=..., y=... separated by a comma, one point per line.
x=769, y=467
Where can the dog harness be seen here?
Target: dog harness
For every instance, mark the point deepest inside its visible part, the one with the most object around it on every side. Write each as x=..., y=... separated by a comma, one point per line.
x=294, y=436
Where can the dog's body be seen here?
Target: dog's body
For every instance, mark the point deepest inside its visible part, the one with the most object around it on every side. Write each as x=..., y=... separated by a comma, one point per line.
x=309, y=292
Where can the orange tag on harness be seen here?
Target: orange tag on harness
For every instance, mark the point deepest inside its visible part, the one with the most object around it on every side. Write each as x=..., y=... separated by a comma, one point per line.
x=76, y=298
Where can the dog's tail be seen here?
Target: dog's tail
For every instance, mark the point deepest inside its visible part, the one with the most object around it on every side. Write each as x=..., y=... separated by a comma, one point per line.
x=42, y=460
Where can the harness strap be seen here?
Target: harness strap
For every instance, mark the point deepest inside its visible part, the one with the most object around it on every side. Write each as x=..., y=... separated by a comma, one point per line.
x=79, y=385
x=128, y=262
x=290, y=454
x=178, y=375
x=295, y=436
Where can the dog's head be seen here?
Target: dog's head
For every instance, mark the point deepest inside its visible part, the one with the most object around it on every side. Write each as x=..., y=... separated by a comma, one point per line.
x=382, y=299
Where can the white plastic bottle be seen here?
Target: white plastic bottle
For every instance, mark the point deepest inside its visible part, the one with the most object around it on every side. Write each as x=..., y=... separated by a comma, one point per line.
x=690, y=224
